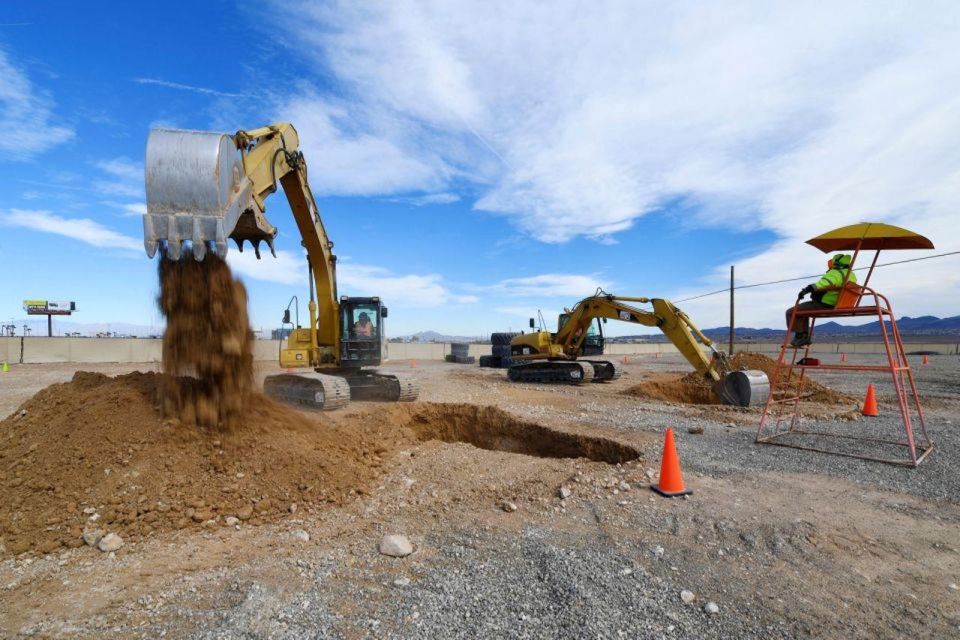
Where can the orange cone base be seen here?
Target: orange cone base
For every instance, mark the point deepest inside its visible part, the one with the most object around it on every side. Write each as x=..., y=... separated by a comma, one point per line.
x=670, y=494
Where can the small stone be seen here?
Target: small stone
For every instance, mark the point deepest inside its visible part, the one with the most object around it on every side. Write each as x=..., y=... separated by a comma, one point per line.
x=626, y=572
x=110, y=542
x=89, y=511
x=23, y=412
x=649, y=473
x=92, y=537
x=624, y=485
x=687, y=596
x=564, y=493
x=293, y=507
x=245, y=513
x=302, y=535
x=202, y=516
x=232, y=521
x=695, y=430
x=509, y=507
x=396, y=546
x=711, y=608
x=658, y=551
x=402, y=582
x=953, y=586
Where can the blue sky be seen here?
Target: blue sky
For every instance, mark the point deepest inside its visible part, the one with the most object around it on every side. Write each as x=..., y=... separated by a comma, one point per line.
x=475, y=163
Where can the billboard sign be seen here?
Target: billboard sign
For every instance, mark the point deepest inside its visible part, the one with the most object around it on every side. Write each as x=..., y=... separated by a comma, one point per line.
x=48, y=307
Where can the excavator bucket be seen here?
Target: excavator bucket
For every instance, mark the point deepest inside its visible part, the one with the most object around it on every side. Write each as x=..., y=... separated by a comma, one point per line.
x=198, y=195
x=748, y=388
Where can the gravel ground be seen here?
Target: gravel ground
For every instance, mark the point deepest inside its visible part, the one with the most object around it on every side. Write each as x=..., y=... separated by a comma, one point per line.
x=787, y=543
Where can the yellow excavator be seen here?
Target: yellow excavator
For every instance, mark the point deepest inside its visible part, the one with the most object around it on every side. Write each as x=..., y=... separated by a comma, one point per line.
x=205, y=187
x=563, y=356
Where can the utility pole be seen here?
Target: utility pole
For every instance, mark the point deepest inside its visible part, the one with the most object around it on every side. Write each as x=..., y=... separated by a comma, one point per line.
x=731, y=310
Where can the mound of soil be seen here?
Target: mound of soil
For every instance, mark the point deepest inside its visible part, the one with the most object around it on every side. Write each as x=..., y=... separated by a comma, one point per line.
x=693, y=388
x=207, y=343
x=97, y=454
x=100, y=446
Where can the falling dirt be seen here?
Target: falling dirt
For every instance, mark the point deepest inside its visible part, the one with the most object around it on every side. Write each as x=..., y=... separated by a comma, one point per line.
x=97, y=454
x=207, y=345
x=693, y=388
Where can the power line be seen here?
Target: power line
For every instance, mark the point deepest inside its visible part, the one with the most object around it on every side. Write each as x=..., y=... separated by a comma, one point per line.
x=816, y=275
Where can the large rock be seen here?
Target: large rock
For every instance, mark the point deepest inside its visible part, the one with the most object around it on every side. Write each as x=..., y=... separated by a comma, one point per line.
x=110, y=542
x=396, y=546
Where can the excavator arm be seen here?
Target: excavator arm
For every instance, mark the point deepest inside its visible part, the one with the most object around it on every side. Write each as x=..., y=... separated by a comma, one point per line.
x=674, y=323
x=204, y=187
x=562, y=349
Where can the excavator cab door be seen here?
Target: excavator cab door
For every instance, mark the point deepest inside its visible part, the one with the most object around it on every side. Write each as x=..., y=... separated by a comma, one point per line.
x=361, y=332
x=593, y=343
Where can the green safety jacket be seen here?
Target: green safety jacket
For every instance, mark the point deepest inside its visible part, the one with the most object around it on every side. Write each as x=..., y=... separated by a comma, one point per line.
x=833, y=278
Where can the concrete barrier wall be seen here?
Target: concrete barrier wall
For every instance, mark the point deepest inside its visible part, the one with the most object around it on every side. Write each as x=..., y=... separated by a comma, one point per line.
x=42, y=350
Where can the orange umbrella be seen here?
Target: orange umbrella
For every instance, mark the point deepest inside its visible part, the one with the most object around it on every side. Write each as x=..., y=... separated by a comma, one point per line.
x=869, y=236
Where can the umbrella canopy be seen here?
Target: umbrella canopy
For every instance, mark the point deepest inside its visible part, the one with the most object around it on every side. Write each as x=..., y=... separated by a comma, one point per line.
x=869, y=236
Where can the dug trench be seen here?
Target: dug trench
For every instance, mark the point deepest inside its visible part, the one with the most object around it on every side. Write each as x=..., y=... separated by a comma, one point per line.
x=97, y=454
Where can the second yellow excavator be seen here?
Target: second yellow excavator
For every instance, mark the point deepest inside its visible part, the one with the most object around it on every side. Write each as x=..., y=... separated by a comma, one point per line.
x=562, y=356
x=205, y=187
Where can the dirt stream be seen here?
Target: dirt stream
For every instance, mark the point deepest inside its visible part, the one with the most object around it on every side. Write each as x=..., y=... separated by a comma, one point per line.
x=693, y=388
x=207, y=345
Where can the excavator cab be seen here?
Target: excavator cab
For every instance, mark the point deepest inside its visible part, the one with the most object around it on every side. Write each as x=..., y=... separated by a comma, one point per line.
x=361, y=327
x=593, y=343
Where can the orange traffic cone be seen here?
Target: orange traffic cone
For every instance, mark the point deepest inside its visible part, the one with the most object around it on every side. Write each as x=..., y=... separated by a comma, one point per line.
x=413, y=364
x=870, y=403
x=289, y=369
x=924, y=361
x=624, y=359
x=671, y=478
x=843, y=357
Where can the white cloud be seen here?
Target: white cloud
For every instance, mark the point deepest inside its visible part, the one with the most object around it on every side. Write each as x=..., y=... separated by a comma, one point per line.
x=549, y=285
x=81, y=229
x=428, y=199
x=26, y=115
x=186, y=87
x=409, y=290
x=791, y=117
x=124, y=178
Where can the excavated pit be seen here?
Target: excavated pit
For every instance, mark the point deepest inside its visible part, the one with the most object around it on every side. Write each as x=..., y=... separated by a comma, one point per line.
x=98, y=454
x=692, y=388
x=493, y=429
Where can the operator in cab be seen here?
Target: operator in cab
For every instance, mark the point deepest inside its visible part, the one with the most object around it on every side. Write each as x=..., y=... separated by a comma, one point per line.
x=824, y=293
x=363, y=328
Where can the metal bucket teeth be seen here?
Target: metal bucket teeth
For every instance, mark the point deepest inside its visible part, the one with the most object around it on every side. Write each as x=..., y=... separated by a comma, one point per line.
x=197, y=191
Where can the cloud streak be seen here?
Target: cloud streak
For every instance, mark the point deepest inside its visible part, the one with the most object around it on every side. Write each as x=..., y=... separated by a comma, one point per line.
x=186, y=87
x=26, y=115
x=80, y=229
x=401, y=290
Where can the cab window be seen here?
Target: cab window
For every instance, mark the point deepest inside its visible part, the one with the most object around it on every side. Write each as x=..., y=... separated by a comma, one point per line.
x=360, y=322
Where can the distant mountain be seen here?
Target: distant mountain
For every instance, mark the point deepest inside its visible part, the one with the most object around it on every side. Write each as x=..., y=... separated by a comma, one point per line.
x=912, y=327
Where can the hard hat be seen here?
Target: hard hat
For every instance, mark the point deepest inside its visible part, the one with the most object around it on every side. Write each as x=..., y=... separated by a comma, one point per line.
x=841, y=260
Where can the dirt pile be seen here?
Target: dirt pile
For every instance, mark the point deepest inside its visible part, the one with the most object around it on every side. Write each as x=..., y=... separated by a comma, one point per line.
x=97, y=453
x=693, y=388
x=207, y=345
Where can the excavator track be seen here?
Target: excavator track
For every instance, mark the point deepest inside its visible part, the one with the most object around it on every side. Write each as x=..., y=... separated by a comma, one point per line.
x=308, y=390
x=606, y=370
x=382, y=387
x=562, y=371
